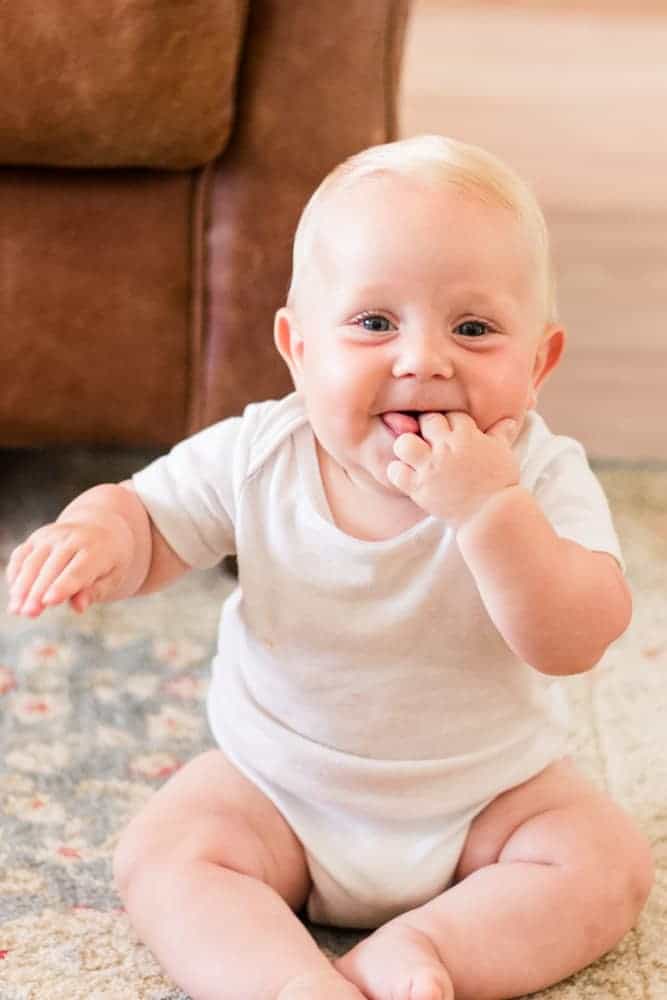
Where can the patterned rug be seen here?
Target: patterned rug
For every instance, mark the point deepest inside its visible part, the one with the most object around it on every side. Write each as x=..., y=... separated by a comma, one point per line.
x=96, y=711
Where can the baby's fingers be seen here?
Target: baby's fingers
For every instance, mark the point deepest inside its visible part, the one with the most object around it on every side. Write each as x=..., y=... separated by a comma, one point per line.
x=25, y=576
x=80, y=572
x=52, y=570
x=412, y=450
x=402, y=477
x=16, y=560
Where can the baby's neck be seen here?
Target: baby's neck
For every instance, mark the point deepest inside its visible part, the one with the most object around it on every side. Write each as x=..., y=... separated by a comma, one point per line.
x=362, y=510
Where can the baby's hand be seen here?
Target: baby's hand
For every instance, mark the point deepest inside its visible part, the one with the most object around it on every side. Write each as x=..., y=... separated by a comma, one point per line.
x=75, y=561
x=455, y=467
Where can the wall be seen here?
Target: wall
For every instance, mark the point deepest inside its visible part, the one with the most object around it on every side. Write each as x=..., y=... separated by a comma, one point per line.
x=576, y=102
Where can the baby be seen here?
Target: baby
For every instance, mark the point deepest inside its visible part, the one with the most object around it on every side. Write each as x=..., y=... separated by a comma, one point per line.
x=420, y=559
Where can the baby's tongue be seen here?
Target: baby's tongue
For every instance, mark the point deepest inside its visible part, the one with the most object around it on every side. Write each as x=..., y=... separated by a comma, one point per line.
x=401, y=423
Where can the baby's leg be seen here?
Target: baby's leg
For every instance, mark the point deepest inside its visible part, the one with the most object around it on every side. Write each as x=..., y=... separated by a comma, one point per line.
x=552, y=875
x=210, y=873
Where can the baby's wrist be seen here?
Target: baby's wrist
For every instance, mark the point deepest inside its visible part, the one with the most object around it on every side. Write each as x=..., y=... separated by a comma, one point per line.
x=484, y=515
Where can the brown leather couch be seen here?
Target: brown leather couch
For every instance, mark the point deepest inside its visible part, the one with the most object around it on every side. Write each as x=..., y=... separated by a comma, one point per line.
x=154, y=157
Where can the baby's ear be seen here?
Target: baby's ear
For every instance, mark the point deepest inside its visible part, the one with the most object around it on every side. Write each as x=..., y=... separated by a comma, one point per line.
x=289, y=342
x=549, y=353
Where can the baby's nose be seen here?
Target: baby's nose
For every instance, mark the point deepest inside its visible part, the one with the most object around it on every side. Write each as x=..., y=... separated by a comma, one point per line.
x=424, y=355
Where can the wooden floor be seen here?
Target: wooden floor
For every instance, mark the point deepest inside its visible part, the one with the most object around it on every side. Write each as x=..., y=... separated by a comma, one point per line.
x=577, y=102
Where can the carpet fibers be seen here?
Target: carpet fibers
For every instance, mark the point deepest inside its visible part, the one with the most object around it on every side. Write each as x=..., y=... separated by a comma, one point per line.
x=96, y=711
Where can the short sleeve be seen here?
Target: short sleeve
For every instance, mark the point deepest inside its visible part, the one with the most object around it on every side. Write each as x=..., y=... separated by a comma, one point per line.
x=189, y=494
x=573, y=500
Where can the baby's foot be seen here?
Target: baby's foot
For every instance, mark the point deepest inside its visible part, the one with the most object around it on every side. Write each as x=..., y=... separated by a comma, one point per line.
x=320, y=986
x=397, y=962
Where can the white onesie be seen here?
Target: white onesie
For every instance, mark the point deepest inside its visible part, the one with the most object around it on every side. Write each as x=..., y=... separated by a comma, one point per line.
x=360, y=684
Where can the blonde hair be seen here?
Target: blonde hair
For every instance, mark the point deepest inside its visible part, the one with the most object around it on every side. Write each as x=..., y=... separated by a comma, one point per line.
x=435, y=159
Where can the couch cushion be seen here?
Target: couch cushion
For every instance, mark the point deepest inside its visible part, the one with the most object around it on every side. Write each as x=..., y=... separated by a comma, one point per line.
x=101, y=83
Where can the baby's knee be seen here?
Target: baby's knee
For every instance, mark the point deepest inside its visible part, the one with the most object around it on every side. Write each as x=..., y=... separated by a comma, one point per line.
x=636, y=873
x=617, y=884
x=129, y=858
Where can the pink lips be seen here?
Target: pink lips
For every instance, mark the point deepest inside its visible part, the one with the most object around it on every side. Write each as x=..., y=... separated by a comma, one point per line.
x=400, y=423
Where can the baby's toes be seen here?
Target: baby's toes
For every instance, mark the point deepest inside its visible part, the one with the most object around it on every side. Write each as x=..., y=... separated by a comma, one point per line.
x=427, y=983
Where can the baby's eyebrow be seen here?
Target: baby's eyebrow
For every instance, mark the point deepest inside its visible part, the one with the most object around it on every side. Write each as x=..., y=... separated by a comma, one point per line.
x=373, y=293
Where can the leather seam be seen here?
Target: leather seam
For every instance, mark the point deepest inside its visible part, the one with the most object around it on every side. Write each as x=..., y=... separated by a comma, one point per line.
x=195, y=403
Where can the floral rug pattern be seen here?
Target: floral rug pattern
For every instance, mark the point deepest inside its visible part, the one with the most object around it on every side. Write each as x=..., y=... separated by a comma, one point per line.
x=97, y=711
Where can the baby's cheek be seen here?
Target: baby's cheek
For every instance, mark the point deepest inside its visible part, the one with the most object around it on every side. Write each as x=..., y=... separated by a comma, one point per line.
x=347, y=395
x=508, y=394
x=335, y=418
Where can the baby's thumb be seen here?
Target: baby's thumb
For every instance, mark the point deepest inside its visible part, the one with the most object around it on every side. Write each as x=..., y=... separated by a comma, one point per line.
x=94, y=593
x=82, y=600
x=505, y=429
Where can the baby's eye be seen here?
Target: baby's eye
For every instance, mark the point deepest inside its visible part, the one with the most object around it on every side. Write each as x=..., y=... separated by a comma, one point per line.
x=472, y=328
x=375, y=323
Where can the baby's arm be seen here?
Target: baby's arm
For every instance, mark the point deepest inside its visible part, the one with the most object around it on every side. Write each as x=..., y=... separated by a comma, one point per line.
x=103, y=547
x=557, y=604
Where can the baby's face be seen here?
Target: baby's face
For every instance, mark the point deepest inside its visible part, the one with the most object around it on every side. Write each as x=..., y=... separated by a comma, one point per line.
x=414, y=300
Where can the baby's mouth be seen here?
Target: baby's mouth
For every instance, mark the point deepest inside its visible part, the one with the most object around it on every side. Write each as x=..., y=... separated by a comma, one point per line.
x=402, y=421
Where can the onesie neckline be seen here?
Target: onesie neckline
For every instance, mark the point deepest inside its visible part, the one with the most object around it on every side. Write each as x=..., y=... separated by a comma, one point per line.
x=319, y=509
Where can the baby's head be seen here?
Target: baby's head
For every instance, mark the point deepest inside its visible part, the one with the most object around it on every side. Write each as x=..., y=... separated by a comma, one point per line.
x=433, y=161
x=422, y=281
